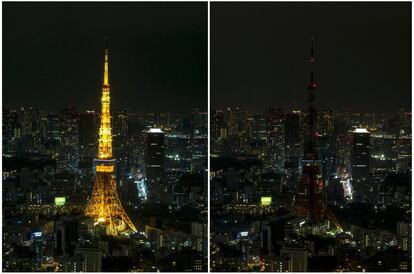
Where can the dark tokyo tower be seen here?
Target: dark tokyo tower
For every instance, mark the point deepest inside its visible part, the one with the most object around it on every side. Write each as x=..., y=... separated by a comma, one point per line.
x=309, y=199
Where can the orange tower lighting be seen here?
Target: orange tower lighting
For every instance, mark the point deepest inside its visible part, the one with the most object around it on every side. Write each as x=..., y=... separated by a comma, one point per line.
x=104, y=205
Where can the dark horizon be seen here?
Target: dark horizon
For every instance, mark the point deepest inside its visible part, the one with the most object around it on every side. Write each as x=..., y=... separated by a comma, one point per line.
x=97, y=109
x=158, y=55
x=304, y=108
x=260, y=53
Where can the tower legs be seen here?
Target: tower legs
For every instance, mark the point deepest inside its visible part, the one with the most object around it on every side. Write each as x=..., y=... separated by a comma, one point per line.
x=105, y=206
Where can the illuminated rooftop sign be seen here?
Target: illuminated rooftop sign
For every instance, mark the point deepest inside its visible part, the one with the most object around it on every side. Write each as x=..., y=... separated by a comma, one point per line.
x=155, y=130
x=361, y=130
x=37, y=234
x=244, y=233
x=60, y=201
x=265, y=201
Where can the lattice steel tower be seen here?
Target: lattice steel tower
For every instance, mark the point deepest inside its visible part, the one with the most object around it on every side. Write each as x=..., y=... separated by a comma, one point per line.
x=104, y=205
x=309, y=200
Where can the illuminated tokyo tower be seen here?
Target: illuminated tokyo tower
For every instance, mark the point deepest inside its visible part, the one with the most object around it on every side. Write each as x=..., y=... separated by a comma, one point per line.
x=104, y=205
x=309, y=199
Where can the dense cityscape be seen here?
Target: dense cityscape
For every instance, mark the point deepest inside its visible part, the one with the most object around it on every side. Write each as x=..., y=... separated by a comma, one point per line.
x=311, y=137
x=257, y=164
x=102, y=170
x=130, y=196
x=118, y=156
x=48, y=178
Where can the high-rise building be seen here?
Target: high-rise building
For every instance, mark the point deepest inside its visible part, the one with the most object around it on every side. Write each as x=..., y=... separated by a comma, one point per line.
x=293, y=139
x=121, y=124
x=71, y=264
x=154, y=160
x=297, y=258
x=186, y=260
x=266, y=239
x=91, y=258
x=258, y=128
x=69, y=140
x=9, y=124
x=275, y=139
x=66, y=236
x=87, y=128
x=325, y=122
x=360, y=155
x=87, y=137
x=292, y=131
x=326, y=151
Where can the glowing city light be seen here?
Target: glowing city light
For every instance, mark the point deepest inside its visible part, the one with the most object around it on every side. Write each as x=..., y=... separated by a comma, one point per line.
x=155, y=130
x=60, y=201
x=265, y=201
x=361, y=130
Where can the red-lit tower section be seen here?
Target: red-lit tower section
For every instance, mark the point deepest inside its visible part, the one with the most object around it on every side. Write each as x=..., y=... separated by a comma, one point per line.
x=309, y=199
x=308, y=202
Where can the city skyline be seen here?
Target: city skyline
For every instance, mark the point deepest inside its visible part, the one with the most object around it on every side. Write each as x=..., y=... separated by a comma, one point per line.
x=118, y=155
x=120, y=188
x=323, y=184
x=363, y=49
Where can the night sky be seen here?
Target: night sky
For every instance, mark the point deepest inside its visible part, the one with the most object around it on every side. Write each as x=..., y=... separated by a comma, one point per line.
x=53, y=55
x=260, y=54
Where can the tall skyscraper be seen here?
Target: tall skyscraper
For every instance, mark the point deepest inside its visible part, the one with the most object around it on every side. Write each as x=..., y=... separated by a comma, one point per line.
x=91, y=258
x=66, y=235
x=360, y=155
x=121, y=124
x=292, y=130
x=297, y=258
x=69, y=141
x=292, y=139
x=104, y=205
x=154, y=160
x=87, y=137
x=325, y=122
x=275, y=139
x=9, y=124
x=87, y=124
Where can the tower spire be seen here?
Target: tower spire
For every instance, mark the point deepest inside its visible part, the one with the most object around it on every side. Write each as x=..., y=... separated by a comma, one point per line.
x=312, y=83
x=310, y=145
x=105, y=131
x=106, y=66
